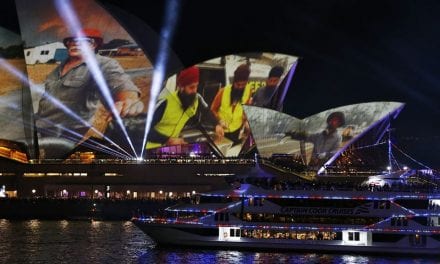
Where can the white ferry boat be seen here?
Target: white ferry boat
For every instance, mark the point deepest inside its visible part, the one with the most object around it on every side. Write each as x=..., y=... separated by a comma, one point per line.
x=400, y=217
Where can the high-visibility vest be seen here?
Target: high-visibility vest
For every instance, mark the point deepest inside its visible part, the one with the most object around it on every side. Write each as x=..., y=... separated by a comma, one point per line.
x=233, y=116
x=174, y=118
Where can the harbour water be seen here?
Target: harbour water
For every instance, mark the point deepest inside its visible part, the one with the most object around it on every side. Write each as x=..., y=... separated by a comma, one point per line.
x=36, y=241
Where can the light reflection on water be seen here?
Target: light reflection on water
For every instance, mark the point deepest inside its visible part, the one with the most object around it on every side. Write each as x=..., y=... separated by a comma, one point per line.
x=63, y=241
x=170, y=255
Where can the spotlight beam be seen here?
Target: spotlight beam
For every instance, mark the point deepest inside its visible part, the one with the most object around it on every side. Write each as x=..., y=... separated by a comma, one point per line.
x=66, y=12
x=68, y=111
x=23, y=78
x=74, y=136
x=171, y=16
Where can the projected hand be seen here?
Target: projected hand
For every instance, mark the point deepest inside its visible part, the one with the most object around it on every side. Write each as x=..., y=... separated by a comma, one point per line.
x=219, y=133
x=128, y=103
x=246, y=128
x=129, y=107
x=175, y=141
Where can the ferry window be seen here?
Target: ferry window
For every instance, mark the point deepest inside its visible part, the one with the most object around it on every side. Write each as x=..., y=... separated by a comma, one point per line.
x=417, y=239
x=234, y=232
x=393, y=221
x=375, y=204
x=353, y=236
x=258, y=202
x=247, y=217
x=221, y=217
x=388, y=204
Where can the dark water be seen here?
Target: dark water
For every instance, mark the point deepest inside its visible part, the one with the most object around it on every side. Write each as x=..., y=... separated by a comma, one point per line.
x=37, y=241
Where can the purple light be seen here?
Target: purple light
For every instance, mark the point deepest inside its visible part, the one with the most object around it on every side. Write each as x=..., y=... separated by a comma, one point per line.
x=289, y=79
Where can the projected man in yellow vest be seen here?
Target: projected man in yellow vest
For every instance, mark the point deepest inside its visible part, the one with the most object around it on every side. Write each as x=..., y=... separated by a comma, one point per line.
x=227, y=105
x=179, y=108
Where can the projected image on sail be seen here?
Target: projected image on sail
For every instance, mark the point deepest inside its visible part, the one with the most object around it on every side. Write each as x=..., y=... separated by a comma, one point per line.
x=91, y=81
x=206, y=101
x=315, y=139
x=13, y=141
x=269, y=130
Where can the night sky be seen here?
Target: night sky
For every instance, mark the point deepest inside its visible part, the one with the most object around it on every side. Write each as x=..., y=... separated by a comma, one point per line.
x=350, y=52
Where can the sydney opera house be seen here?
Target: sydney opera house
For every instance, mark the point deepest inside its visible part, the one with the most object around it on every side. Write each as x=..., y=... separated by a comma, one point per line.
x=116, y=123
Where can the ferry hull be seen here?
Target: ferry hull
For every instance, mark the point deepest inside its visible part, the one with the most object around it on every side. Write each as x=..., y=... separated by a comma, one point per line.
x=167, y=235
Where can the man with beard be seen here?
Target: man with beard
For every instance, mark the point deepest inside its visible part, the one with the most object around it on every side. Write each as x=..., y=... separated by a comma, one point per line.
x=264, y=95
x=227, y=105
x=179, y=108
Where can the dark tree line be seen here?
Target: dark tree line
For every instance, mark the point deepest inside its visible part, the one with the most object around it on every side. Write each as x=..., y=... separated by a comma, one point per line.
x=12, y=52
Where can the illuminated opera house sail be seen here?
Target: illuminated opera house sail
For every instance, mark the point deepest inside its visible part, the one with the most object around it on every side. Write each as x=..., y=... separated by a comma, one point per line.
x=79, y=89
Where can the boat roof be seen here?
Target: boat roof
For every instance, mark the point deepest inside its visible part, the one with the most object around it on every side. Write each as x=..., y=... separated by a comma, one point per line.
x=248, y=190
x=212, y=207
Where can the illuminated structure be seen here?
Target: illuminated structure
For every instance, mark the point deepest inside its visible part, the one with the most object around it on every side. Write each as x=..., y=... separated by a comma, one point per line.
x=111, y=156
x=262, y=213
